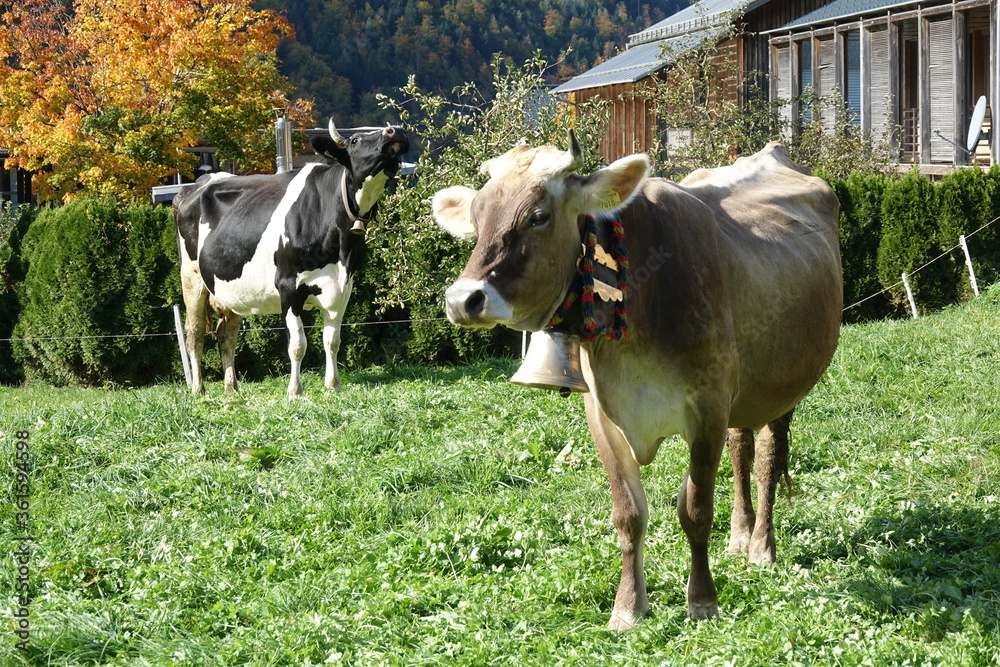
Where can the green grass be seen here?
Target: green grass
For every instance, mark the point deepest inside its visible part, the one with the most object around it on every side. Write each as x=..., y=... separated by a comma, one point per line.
x=423, y=516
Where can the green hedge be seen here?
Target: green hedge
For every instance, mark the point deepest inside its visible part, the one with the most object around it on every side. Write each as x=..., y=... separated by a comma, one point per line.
x=87, y=273
x=14, y=224
x=95, y=273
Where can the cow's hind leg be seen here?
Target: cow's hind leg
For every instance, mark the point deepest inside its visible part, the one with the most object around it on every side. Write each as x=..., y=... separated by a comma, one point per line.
x=695, y=509
x=770, y=465
x=740, y=443
x=195, y=318
x=629, y=513
x=296, y=351
x=331, y=345
x=227, y=332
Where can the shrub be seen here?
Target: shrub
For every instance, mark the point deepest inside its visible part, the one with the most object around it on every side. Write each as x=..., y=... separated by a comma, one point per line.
x=411, y=261
x=94, y=275
x=911, y=238
x=970, y=199
x=14, y=223
x=860, y=230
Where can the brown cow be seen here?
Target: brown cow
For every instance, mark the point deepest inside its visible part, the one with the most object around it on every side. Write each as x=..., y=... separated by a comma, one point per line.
x=733, y=313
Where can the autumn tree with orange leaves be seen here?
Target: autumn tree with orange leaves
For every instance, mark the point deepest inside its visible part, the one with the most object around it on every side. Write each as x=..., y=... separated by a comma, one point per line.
x=102, y=96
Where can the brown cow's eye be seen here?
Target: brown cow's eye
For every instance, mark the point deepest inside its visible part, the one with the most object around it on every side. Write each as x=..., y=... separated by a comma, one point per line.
x=538, y=218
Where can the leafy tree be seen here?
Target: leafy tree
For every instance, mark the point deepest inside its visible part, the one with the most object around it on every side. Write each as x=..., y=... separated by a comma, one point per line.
x=102, y=95
x=411, y=261
x=831, y=142
x=707, y=126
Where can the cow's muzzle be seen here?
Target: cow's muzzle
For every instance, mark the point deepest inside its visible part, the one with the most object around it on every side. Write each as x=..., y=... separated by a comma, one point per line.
x=474, y=303
x=396, y=141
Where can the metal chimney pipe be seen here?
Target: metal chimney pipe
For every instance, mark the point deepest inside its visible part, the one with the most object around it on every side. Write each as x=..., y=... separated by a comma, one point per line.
x=283, y=144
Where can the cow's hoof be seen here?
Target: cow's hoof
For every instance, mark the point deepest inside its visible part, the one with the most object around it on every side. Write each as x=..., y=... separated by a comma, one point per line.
x=738, y=545
x=622, y=620
x=701, y=610
x=763, y=556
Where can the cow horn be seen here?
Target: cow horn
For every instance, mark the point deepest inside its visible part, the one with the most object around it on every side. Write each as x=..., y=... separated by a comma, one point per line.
x=340, y=141
x=575, y=153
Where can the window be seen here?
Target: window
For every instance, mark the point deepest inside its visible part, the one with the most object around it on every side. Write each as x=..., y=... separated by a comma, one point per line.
x=852, y=76
x=805, y=78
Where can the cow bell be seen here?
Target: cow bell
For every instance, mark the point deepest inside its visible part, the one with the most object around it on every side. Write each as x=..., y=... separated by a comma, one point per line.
x=552, y=362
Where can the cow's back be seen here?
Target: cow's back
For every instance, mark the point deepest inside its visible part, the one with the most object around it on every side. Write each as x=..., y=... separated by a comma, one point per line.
x=187, y=208
x=779, y=245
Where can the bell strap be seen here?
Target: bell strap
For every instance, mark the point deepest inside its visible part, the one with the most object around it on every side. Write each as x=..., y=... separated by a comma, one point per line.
x=359, y=222
x=583, y=285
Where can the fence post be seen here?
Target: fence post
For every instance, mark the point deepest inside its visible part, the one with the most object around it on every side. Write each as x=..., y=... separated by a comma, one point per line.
x=909, y=295
x=968, y=263
x=180, y=342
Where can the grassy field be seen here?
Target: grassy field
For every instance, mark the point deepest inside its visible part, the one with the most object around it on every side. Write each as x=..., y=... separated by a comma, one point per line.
x=432, y=516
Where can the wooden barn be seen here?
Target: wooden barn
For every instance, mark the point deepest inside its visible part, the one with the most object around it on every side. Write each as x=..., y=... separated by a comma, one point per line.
x=912, y=69
x=632, y=124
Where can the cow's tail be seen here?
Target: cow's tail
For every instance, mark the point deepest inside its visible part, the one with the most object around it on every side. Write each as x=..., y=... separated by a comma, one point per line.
x=786, y=481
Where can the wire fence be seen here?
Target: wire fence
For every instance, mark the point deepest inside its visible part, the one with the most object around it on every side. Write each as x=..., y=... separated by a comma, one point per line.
x=902, y=281
x=246, y=328
x=884, y=290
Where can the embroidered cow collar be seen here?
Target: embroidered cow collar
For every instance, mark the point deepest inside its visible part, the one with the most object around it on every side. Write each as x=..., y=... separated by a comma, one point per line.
x=583, y=286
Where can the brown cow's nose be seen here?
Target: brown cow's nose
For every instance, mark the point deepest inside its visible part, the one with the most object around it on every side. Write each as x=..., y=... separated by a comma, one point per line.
x=476, y=303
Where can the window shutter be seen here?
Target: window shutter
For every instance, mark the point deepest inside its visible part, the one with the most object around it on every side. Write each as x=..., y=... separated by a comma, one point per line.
x=879, y=83
x=827, y=84
x=941, y=82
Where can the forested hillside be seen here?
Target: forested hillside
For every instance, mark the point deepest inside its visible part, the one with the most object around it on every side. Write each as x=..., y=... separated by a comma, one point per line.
x=347, y=50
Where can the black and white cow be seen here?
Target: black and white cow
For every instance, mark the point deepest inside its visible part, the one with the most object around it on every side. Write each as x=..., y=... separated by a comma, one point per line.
x=281, y=243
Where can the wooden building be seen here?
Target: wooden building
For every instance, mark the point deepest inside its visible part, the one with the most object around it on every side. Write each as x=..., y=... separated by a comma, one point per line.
x=632, y=124
x=15, y=184
x=909, y=71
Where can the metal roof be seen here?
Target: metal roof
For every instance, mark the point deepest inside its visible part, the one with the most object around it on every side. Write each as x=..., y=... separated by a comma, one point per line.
x=636, y=62
x=696, y=15
x=681, y=32
x=842, y=9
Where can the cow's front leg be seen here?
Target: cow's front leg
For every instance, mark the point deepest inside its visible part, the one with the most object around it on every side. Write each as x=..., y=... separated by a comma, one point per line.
x=695, y=509
x=739, y=441
x=227, y=333
x=770, y=464
x=331, y=345
x=629, y=514
x=296, y=351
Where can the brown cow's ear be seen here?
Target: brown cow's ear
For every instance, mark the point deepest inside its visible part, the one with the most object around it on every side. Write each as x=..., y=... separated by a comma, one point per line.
x=452, y=209
x=612, y=187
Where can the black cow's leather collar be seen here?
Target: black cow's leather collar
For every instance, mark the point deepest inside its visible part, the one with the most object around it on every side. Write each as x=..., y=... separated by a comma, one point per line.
x=356, y=218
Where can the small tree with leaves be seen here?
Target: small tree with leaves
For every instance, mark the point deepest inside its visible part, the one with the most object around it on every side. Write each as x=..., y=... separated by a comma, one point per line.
x=411, y=261
x=101, y=96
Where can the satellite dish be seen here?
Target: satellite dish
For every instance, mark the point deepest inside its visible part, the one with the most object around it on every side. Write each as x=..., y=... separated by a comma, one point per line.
x=976, y=133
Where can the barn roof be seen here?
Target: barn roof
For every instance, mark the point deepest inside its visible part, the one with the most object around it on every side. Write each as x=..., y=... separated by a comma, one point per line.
x=636, y=62
x=679, y=33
